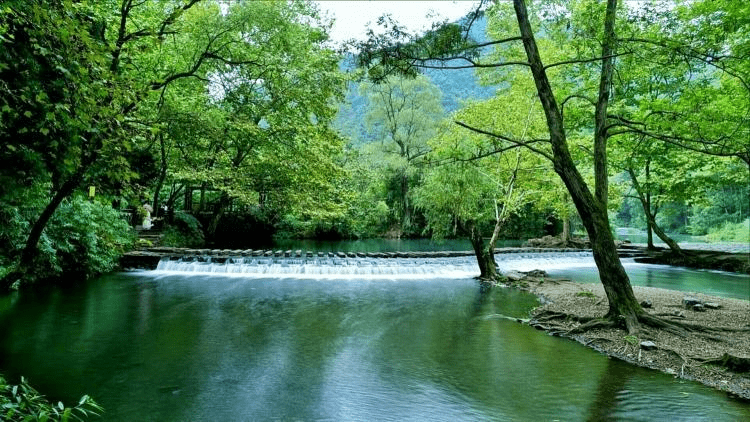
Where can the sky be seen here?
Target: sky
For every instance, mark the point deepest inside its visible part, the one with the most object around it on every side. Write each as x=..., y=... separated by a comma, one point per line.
x=352, y=17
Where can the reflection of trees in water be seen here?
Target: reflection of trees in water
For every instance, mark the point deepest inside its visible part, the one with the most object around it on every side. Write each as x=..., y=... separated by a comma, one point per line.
x=611, y=382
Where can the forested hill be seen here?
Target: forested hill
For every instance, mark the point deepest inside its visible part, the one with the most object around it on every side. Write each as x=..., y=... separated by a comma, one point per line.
x=456, y=86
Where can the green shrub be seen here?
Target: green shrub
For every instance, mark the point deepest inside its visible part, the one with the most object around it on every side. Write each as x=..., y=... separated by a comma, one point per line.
x=184, y=232
x=81, y=240
x=730, y=232
x=88, y=237
x=23, y=403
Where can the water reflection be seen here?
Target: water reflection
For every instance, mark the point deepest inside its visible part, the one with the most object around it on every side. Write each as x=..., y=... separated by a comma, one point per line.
x=176, y=348
x=717, y=283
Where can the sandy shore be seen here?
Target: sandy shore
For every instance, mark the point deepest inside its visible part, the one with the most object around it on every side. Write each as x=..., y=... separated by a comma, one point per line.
x=685, y=357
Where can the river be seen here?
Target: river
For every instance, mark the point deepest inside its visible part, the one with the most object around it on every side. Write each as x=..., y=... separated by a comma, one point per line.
x=198, y=346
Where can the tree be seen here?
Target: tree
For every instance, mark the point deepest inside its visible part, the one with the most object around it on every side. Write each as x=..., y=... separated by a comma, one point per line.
x=473, y=200
x=692, y=76
x=81, y=82
x=586, y=36
x=660, y=174
x=60, y=110
x=473, y=189
x=402, y=115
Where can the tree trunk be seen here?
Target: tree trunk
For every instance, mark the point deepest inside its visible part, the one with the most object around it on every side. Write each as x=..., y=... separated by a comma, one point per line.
x=663, y=236
x=592, y=209
x=566, y=231
x=221, y=207
x=644, y=195
x=406, y=217
x=485, y=259
x=162, y=177
x=649, y=235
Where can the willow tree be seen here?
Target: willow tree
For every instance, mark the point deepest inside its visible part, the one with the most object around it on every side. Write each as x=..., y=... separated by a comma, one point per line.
x=571, y=59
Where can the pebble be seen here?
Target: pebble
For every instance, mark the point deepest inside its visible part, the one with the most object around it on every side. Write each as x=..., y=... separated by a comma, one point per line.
x=648, y=345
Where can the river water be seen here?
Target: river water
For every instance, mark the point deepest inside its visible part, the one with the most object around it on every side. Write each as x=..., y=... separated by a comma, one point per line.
x=404, y=346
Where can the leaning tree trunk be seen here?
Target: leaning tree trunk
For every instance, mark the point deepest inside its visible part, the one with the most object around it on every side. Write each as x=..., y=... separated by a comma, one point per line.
x=644, y=195
x=30, y=250
x=623, y=306
x=663, y=236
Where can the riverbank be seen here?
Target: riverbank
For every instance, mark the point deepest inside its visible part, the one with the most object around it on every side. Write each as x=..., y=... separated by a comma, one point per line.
x=707, y=259
x=693, y=357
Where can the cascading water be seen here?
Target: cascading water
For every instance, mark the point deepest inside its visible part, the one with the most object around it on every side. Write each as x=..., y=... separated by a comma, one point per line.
x=313, y=267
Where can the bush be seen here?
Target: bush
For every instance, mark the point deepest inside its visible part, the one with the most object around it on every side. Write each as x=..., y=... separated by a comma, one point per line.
x=730, y=232
x=184, y=232
x=81, y=240
x=23, y=403
x=87, y=238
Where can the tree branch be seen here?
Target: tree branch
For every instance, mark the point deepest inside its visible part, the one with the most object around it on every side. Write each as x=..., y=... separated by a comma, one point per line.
x=516, y=143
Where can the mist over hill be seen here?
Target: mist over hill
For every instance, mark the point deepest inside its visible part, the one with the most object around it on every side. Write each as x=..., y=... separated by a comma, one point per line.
x=456, y=86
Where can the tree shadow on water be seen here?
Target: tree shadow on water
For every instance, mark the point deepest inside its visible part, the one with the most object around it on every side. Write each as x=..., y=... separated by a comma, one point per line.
x=611, y=384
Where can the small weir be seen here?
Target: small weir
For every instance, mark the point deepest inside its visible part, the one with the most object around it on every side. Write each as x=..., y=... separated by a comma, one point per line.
x=329, y=264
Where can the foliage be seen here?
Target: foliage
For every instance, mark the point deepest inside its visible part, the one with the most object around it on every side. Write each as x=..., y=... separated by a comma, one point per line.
x=185, y=231
x=83, y=238
x=101, y=92
x=260, y=134
x=88, y=238
x=632, y=340
x=402, y=115
x=23, y=403
x=731, y=232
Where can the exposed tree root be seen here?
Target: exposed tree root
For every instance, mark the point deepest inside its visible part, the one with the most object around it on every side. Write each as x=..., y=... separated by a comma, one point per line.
x=593, y=325
x=644, y=323
x=546, y=316
x=593, y=340
x=733, y=363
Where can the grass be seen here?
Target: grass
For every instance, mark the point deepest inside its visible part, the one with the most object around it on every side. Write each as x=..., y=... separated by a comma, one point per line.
x=589, y=295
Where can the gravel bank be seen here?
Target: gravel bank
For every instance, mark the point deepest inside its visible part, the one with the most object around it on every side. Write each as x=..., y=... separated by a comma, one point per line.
x=686, y=357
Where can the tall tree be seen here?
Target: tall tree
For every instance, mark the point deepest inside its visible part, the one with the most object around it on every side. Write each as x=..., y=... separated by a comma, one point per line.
x=472, y=189
x=582, y=36
x=660, y=174
x=402, y=115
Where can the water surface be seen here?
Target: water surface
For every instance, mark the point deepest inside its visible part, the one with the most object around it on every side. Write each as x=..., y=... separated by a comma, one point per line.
x=180, y=347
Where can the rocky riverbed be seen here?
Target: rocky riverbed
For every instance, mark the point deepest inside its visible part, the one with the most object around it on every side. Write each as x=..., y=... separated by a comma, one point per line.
x=720, y=359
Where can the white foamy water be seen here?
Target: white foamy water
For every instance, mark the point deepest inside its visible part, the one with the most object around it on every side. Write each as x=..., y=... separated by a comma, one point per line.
x=328, y=267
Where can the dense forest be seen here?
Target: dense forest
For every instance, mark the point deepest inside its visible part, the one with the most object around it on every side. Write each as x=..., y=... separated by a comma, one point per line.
x=229, y=124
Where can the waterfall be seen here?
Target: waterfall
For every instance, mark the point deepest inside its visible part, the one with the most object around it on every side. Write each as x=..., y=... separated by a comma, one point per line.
x=366, y=267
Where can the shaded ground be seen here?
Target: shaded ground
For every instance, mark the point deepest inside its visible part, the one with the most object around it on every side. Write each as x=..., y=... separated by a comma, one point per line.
x=693, y=357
